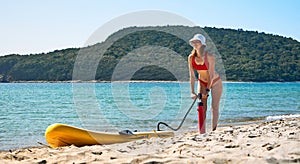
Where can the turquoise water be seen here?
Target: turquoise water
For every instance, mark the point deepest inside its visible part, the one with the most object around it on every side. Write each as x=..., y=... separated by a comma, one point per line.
x=27, y=109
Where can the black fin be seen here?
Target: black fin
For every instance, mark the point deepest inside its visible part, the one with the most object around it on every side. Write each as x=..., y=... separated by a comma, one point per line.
x=126, y=132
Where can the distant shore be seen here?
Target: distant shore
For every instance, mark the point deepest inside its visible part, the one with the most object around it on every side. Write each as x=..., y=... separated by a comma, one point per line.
x=275, y=141
x=96, y=81
x=138, y=81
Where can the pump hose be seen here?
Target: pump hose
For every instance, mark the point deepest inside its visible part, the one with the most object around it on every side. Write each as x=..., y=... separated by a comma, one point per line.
x=175, y=129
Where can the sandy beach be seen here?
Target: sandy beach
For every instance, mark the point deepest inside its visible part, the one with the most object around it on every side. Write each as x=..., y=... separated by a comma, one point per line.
x=265, y=142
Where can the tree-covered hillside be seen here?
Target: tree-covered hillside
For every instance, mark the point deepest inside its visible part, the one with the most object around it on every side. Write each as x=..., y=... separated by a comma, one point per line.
x=246, y=56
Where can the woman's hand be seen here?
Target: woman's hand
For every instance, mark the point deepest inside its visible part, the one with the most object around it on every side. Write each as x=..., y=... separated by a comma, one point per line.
x=205, y=95
x=193, y=96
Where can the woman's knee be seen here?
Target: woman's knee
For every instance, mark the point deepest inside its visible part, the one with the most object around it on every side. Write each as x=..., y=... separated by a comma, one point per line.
x=215, y=110
x=215, y=107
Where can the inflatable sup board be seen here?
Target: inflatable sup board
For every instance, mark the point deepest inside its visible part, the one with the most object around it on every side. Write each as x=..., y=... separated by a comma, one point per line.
x=58, y=135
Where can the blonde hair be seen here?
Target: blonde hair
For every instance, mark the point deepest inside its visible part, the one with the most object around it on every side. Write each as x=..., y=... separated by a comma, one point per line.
x=194, y=51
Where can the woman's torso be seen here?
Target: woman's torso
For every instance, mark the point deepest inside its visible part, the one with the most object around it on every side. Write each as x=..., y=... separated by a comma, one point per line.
x=201, y=66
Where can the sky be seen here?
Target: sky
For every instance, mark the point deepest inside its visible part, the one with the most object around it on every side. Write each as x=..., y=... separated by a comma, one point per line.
x=35, y=26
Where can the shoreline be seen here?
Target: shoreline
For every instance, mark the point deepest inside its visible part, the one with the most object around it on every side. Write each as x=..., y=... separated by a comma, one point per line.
x=139, y=81
x=222, y=124
x=275, y=141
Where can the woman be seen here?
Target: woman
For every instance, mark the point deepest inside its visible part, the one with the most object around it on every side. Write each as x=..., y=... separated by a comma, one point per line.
x=208, y=79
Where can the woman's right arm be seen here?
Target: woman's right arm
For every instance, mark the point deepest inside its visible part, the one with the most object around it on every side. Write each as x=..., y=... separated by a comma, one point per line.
x=192, y=77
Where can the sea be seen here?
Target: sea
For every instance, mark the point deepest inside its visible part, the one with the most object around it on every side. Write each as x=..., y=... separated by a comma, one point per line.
x=27, y=109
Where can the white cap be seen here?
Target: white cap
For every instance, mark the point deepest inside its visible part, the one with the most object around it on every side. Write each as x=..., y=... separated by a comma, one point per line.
x=199, y=37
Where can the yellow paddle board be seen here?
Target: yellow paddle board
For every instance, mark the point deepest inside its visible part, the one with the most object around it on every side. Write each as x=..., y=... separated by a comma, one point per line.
x=58, y=135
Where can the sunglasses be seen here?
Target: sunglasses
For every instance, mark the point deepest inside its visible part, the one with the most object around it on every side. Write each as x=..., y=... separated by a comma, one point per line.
x=195, y=42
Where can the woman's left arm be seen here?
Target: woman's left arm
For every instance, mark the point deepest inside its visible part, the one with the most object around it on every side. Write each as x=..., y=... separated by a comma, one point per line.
x=211, y=69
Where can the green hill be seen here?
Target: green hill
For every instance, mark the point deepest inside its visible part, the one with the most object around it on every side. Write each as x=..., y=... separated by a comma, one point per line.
x=246, y=55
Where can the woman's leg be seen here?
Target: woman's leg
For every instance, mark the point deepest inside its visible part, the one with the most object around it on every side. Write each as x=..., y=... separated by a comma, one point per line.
x=216, y=92
x=202, y=89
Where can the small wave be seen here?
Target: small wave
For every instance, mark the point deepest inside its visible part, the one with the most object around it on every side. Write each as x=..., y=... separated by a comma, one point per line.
x=271, y=118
